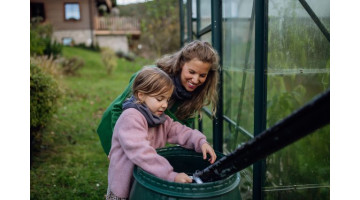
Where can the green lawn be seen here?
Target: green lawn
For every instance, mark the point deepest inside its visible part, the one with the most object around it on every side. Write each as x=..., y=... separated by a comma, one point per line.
x=72, y=164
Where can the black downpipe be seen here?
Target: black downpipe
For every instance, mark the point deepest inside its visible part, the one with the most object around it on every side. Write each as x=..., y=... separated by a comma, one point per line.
x=299, y=124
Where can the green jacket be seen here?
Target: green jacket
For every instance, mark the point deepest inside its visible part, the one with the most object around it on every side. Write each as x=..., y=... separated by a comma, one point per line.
x=112, y=113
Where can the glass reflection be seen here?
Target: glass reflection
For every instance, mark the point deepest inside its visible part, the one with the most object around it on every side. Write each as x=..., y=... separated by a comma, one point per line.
x=205, y=13
x=298, y=70
x=238, y=80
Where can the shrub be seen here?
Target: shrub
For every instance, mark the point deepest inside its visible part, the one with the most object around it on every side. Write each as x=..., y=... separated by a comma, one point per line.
x=93, y=46
x=37, y=44
x=44, y=94
x=71, y=66
x=48, y=65
x=128, y=56
x=109, y=59
x=59, y=66
x=80, y=45
x=40, y=40
x=52, y=48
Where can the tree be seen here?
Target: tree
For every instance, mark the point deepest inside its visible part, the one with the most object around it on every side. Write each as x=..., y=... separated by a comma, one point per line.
x=160, y=28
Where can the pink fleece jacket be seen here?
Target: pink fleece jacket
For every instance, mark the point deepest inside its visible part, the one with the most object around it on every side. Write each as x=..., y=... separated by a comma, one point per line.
x=133, y=142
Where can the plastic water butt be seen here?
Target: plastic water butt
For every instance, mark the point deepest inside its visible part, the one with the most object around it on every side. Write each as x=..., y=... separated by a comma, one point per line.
x=147, y=186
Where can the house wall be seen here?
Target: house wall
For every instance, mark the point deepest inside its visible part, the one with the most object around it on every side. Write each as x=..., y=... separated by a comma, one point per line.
x=55, y=14
x=81, y=31
x=115, y=42
x=78, y=36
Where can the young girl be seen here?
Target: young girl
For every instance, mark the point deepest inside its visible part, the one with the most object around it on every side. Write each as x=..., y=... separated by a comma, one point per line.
x=194, y=72
x=142, y=127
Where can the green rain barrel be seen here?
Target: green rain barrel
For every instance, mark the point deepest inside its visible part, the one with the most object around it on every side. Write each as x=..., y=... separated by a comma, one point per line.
x=148, y=187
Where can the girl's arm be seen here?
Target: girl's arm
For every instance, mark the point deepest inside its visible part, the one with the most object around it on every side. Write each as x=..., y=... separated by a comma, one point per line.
x=189, y=138
x=132, y=131
x=184, y=136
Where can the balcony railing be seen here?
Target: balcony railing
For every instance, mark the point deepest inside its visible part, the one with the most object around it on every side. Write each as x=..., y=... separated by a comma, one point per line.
x=117, y=25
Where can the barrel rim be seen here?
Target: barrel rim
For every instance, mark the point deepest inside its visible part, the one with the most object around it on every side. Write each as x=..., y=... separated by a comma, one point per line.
x=194, y=190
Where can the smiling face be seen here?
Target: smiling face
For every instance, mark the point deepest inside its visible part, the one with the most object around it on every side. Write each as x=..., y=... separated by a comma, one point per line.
x=157, y=104
x=193, y=74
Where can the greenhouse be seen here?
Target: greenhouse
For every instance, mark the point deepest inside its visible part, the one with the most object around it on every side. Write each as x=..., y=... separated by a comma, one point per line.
x=268, y=80
x=275, y=57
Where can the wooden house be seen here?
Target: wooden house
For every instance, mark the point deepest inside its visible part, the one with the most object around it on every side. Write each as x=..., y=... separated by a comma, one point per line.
x=86, y=22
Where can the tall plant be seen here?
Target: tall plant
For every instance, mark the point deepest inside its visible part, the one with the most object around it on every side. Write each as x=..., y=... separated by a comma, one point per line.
x=160, y=27
x=109, y=59
x=41, y=42
x=44, y=95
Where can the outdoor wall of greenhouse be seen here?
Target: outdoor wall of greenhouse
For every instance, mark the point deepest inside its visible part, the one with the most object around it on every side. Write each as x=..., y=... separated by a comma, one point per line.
x=275, y=57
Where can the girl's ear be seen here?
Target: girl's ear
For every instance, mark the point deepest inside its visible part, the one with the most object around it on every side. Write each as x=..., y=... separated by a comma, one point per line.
x=140, y=96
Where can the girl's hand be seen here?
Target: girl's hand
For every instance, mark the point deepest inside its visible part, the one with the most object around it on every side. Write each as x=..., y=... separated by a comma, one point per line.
x=206, y=148
x=182, y=178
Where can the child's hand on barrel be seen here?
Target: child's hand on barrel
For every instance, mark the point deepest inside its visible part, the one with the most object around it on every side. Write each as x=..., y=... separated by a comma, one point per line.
x=182, y=178
x=206, y=148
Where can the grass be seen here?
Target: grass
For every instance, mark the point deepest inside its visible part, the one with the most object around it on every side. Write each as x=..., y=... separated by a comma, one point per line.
x=72, y=164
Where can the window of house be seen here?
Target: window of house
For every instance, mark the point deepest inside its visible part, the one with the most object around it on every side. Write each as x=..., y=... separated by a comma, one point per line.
x=72, y=11
x=37, y=10
x=67, y=41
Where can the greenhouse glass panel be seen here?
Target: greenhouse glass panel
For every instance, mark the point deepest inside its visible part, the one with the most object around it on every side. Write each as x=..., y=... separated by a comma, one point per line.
x=194, y=19
x=246, y=183
x=302, y=170
x=205, y=13
x=238, y=81
x=298, y=60
x=298, y=70
x=238, y=72
x=322, y=10
x=206, y=37
x=237, y=9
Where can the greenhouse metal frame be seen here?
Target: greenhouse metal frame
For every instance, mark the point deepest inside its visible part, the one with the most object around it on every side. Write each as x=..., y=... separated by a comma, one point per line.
x=307, y=24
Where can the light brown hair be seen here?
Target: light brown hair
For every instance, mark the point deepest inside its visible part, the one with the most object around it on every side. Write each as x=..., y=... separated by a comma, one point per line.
x=152, y=81
x=206, y=93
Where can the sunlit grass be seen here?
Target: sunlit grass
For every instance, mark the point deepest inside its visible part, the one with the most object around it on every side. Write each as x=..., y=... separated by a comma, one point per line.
x=72, y=164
